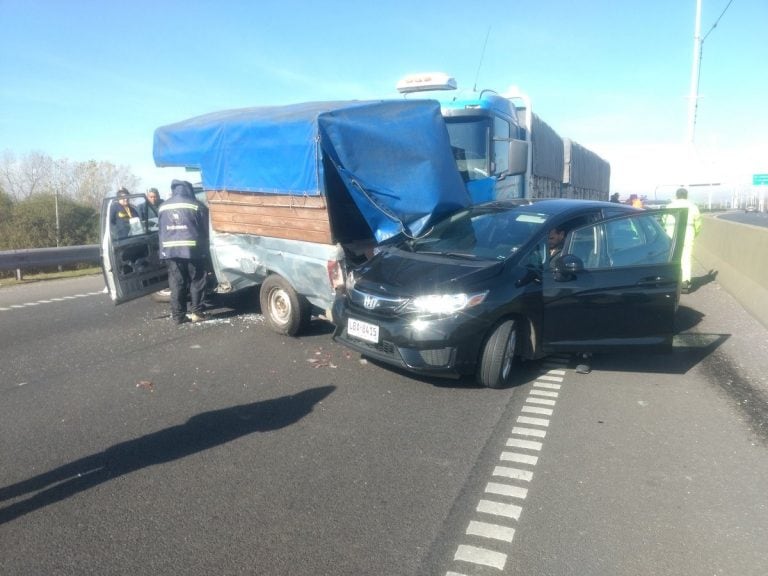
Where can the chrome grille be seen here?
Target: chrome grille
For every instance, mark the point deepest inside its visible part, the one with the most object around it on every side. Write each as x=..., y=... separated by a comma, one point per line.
x=374, y=302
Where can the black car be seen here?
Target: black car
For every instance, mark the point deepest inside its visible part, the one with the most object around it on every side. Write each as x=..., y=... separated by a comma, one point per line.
x=482, y=287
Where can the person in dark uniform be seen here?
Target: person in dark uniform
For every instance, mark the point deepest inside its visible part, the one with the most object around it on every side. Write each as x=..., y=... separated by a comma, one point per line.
x=183, y=222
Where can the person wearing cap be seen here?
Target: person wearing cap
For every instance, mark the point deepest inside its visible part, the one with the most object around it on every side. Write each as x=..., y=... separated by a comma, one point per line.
x=692, y=229
x=120, y=214
x=183, y=223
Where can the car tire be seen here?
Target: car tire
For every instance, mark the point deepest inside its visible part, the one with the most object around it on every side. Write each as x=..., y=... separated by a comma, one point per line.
x=497, y=361
x=285, y=311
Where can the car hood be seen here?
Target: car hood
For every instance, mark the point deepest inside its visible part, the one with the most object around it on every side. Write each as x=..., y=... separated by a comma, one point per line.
x=400, y=273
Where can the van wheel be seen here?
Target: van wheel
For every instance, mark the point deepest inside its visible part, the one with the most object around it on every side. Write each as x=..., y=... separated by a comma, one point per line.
x=498, y=358
x=285, y=311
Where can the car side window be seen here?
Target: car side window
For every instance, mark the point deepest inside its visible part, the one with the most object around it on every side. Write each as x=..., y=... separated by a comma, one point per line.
x=637, y=240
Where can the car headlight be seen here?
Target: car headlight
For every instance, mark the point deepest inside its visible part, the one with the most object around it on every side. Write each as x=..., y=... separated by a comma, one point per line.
x=445, y=303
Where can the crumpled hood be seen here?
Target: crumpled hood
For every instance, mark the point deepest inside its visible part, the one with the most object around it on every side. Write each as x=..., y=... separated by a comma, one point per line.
x=399, y=273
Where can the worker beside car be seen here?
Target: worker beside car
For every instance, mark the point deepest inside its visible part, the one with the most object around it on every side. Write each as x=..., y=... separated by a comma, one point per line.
x=183, y=222
x=692, y=230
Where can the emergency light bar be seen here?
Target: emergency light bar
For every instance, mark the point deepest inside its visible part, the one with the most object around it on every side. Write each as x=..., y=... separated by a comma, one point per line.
x=426, y=81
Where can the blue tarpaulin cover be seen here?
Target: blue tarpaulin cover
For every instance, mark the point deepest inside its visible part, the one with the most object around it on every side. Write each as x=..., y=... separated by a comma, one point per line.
x=394, y=157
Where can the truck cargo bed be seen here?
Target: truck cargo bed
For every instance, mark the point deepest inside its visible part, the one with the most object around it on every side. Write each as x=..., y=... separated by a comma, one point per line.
x=274, y=215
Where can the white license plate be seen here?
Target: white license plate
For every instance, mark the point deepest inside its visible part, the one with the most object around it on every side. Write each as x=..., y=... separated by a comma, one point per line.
x=363, y=330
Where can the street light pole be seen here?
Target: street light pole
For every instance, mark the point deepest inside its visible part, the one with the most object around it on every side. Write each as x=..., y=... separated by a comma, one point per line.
x=693, y=96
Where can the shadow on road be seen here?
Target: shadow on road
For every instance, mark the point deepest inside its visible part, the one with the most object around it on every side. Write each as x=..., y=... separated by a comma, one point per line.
x=699, y=281
x=201, y=432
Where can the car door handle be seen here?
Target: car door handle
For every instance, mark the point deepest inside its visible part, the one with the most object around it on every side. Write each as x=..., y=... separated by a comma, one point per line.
x=656, y=281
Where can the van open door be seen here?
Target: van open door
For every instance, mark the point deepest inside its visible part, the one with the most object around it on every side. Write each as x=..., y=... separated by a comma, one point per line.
x=130, y=249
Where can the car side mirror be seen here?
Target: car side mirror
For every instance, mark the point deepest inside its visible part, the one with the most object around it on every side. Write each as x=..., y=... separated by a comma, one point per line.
x=566, y=267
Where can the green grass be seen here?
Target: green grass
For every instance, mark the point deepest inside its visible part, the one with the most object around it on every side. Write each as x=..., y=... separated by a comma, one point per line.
x=50, y=276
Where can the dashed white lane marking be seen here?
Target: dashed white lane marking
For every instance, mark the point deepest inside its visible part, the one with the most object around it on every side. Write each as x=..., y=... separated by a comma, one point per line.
x=532, y=421
x=535, y=432
x=543, y=401
x=513, y=473
x=537, y=410
x=546, y=393
x=547, y=385
x=506, y=490
x=483, y=556
x=526, y=444
x=519, y=458
x=49, y=301
x=500, y=509
x=491, y=529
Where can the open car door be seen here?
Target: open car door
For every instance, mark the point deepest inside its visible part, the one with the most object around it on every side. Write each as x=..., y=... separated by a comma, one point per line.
x=616, y=285
x=130, y=250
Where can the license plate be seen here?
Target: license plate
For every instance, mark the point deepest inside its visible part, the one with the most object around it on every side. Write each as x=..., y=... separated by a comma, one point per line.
x=363, y=330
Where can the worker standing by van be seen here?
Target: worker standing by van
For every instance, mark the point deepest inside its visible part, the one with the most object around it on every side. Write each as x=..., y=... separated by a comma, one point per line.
x=691, y=231
x=183, y=222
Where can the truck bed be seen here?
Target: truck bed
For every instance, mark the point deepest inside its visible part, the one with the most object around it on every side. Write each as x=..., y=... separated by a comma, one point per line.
x=274, y=215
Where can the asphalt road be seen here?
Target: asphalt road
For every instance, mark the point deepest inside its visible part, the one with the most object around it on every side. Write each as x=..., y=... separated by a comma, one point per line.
x=753, y=218
x=131, y=446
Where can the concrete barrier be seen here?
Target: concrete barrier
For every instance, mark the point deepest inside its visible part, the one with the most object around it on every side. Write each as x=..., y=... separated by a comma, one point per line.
x=739, y=254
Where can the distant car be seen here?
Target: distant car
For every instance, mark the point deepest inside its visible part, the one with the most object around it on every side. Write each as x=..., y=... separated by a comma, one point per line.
x=480, y=288
x=751, y=208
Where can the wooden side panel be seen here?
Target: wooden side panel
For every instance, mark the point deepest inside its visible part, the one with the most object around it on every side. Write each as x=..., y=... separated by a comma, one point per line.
x=277, y=216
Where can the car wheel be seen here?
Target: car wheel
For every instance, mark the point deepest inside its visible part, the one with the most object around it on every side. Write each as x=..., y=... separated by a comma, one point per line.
x=498, y=357
x=286, y=312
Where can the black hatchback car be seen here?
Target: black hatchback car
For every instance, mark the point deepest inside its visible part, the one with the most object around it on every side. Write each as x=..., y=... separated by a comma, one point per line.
x=483, y=286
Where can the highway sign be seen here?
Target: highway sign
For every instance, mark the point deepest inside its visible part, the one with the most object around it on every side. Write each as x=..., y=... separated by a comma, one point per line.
x=759, y=179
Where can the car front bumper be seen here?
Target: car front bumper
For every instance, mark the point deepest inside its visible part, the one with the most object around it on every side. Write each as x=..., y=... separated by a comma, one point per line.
x=446, y=346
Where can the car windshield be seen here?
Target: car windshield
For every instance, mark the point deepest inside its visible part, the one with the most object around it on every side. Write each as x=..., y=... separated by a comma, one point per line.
x=487, y=233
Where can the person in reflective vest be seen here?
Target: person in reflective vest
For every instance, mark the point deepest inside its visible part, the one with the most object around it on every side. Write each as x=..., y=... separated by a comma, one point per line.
x=691, y=231
x=183, y=223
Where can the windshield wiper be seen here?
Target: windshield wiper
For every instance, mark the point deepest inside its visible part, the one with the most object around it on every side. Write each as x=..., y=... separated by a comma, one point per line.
x=457, y=255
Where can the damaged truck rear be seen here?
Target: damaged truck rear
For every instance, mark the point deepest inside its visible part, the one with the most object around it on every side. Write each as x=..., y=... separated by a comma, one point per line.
x=299, y=193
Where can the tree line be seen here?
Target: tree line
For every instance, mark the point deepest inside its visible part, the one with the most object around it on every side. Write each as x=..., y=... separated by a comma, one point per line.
x=34, y=187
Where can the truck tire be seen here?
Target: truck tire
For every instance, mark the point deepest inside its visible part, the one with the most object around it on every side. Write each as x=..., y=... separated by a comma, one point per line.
x=285, y=311
x=497, y=362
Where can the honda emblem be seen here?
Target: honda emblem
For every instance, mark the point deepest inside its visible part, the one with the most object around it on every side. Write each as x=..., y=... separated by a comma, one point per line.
x=370, y=302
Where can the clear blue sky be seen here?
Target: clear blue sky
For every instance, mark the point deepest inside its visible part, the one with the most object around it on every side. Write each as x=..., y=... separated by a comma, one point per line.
x=89, y=79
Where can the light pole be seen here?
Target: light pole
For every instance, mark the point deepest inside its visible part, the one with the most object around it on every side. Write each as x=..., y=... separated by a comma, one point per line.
x=56, y=176
x=693, y=95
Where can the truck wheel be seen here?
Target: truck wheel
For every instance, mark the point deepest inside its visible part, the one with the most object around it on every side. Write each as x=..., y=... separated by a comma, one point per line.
x=285, y=311
x=498, y=357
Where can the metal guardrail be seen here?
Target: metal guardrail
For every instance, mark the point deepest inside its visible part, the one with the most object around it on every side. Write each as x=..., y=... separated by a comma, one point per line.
x=45, y=257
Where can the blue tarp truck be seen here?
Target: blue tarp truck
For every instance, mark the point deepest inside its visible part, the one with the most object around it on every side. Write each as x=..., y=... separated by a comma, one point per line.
x=492, y=134
x=298, y=193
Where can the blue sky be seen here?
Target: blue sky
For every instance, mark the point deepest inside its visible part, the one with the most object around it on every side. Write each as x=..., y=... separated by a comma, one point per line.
x=88, y=79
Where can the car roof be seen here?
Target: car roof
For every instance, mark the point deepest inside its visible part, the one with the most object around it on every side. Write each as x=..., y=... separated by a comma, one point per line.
x=556, y=206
